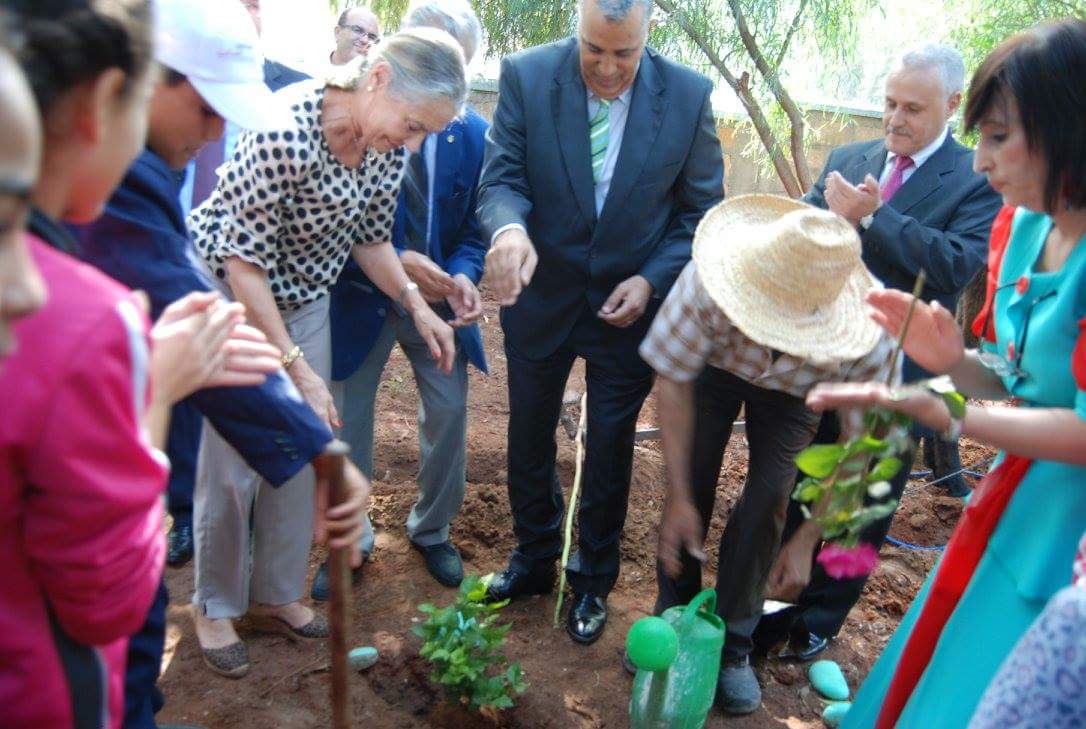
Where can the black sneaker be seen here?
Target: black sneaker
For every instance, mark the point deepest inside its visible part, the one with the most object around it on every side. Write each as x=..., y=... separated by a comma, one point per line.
x=443, y=562
x=179, y=545
x=322, y=587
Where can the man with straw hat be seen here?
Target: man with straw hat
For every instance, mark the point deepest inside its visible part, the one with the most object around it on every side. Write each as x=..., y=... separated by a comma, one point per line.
x=771, y=304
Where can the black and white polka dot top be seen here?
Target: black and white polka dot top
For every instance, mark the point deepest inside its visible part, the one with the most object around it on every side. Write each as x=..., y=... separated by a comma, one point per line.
x=284, y=203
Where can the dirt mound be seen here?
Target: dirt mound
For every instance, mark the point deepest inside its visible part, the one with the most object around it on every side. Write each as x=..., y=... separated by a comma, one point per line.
x=570, y=685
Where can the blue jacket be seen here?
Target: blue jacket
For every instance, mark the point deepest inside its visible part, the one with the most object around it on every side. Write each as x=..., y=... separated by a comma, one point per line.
x=141, y=240
x=358, y=308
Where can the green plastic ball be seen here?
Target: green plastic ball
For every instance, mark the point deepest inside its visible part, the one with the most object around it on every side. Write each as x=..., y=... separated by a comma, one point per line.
x=652, y=644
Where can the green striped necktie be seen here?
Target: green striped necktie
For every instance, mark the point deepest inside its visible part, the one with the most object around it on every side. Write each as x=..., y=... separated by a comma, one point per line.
x=599, y=133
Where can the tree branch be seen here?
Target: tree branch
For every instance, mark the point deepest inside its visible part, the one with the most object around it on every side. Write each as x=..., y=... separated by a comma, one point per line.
x=741, y=88
x=791, y=32
x=795, y=116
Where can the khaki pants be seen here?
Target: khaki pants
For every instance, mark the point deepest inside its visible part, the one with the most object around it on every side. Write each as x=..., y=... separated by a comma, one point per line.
x=253, y=539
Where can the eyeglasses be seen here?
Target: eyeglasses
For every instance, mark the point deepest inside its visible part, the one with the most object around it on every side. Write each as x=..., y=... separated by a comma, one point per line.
x=367, y=36
x=997, y=363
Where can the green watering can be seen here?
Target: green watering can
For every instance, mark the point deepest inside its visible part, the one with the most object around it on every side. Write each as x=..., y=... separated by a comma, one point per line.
x=678, y=658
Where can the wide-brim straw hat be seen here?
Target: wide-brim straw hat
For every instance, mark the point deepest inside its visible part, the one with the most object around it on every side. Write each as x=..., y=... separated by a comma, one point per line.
x=788, y=275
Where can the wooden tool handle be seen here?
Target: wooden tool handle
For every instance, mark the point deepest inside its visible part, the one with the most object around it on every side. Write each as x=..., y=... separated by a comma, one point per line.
x=330, y=467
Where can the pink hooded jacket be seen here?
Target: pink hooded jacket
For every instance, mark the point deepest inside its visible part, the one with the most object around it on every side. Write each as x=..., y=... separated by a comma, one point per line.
x=80, y=500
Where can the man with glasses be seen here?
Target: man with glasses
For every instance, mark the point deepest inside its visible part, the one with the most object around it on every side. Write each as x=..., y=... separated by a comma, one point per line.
x=355, y=33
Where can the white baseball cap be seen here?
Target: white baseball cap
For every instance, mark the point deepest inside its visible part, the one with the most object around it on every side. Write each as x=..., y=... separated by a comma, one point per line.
x=215, y=45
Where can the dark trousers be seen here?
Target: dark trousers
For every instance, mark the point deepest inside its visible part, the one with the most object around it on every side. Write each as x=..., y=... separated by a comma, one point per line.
x=142, y=699
x=618, y=382
x=182, y=445
x=779, y=426
x=825, y=603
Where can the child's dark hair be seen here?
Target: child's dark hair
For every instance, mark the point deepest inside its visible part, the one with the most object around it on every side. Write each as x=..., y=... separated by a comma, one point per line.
x=68, y=42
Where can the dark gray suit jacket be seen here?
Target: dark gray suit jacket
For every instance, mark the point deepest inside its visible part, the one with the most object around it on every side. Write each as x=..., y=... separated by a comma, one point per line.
x=940, y=219
x=536, y=172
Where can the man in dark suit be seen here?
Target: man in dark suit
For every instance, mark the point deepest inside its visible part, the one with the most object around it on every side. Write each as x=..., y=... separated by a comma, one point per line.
x=601, y=160
x=918, y=204
x=442, y=250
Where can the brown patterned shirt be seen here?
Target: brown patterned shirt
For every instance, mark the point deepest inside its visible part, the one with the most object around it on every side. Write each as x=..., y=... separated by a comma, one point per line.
x=691, y=331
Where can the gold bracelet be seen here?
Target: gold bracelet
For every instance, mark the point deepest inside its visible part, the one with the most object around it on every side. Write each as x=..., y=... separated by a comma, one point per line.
x=291, y=357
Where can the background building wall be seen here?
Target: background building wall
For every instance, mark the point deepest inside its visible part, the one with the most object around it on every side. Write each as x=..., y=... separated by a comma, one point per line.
x=746, y=167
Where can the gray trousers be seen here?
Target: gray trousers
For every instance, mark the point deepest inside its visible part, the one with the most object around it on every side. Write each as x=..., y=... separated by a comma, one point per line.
x=253, y=539
x=442, y=423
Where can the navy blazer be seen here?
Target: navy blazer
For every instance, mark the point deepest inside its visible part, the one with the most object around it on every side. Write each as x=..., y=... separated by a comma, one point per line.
x=538, y=174
x=939, y=220
x=141, y=240
x=358, y=308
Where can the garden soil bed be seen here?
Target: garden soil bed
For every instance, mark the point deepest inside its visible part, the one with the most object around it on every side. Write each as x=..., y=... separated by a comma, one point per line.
x=570, y=685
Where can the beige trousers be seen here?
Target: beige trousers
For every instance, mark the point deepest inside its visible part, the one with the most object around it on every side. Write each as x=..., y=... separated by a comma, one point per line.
x=253, y=539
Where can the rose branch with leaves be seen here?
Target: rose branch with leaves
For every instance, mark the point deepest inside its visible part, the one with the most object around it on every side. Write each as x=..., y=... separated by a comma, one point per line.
x=841, y=476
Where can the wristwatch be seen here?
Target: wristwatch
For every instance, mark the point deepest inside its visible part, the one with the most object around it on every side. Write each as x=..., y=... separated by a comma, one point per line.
x=407, y=289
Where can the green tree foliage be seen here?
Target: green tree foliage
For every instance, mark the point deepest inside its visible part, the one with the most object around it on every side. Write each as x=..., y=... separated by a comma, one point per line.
x=985, y=23
x=745, y=43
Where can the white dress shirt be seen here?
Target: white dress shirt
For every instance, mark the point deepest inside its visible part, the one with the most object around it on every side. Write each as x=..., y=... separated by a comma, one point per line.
x=918, y=159
x=891, y=159
x=619, y=111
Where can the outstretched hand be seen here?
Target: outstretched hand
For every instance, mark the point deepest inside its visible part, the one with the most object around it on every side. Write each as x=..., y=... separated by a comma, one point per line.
x=200, y=341
x=627, y=302
x=340, y=526
x=680, y=530
x=933, y=341
x=510, y=265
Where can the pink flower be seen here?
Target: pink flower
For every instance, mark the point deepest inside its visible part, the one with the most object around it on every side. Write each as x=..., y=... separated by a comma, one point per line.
x=844, y=562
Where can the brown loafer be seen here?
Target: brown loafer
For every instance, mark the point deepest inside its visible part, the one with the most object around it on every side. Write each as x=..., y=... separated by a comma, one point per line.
x=231, y=661
x=315, y=629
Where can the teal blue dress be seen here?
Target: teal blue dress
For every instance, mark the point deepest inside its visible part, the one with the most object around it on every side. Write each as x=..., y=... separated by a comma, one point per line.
x=1027, y=558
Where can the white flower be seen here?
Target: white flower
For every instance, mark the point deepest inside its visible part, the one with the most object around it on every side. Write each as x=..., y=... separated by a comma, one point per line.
x=879, y=489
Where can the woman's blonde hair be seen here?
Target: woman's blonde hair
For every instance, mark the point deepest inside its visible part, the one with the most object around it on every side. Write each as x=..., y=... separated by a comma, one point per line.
x=425, y=64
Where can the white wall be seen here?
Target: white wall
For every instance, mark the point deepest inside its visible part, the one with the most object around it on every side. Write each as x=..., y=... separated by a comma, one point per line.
x=298, y=32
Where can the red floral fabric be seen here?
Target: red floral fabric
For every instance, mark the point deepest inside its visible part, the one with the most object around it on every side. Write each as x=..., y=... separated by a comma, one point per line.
x=997, y=244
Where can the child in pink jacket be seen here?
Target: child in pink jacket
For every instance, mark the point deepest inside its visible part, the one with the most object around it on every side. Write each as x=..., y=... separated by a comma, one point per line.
x=80, y=499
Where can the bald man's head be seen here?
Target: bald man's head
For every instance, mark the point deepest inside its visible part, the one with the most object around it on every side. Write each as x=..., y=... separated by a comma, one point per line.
x=355, y=33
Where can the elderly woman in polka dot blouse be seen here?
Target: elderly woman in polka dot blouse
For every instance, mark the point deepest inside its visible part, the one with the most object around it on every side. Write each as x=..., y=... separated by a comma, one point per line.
x=290, y=207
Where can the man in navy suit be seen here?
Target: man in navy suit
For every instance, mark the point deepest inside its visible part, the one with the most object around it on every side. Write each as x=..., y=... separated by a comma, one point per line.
x=442, y=252
x=918, y=204
x=601, y=160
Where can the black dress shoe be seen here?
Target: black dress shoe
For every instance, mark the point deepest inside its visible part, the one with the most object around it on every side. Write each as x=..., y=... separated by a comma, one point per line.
x=322, y=586
x=510, y=584
x=443, y=562
x=587, y=616
x=180, y=546
x=805, y=652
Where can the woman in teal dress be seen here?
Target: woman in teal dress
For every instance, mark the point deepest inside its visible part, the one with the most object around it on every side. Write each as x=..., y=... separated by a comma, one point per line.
x=1028, y=100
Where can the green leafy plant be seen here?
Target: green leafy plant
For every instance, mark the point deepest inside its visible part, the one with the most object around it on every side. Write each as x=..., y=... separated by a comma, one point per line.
x=463, y=644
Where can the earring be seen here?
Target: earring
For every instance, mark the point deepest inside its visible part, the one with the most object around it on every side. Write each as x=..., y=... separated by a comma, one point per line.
x=370, y=89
